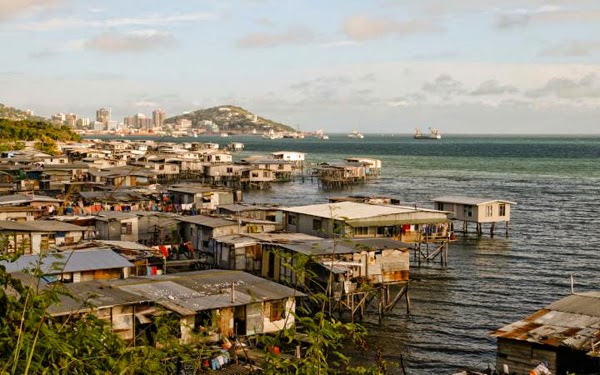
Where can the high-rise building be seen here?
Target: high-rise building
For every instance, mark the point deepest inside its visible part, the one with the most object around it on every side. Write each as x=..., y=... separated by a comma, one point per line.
x=139, y=120
x=58, y=118
x=83, y=122
x=103, y=115
x=71, y=120
x=129, y=121
x=158, y=118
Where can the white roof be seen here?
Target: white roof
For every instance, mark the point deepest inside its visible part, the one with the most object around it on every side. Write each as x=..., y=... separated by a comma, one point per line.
x=469, y=200
x=351, y=210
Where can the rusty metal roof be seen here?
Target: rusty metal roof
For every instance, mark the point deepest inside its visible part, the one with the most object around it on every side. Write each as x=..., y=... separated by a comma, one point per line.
x=573, y=322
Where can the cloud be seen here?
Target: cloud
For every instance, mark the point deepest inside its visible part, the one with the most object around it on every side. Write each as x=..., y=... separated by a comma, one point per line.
x=443, y=85
x=586, y=87
x=508, y=21
x=492, y=87
x=321, y=83
x=367, y=27
x=574, y=48
x=522, y=17
x=294, y=35
x=132, y=41
x=405, y=100
x=145, y=103
x=11, y=8
x=148, y=20
x=339, y=43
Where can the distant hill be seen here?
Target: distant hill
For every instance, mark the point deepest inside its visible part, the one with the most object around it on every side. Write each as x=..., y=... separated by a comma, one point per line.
x=229, y=118
x=11, y=113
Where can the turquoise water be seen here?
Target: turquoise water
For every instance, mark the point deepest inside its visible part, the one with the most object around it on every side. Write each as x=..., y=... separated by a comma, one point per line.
x=488, y=282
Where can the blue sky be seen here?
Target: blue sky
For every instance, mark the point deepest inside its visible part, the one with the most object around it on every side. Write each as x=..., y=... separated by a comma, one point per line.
x=464, y=66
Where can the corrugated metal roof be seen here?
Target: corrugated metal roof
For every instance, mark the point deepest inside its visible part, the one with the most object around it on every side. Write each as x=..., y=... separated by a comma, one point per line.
x=93, y=293
x=348, y=210
x=190, y=292
x=207, y=221
x=69, y=261
x=281, y=237
x=128, y=245
x=22, y=198
x=573, y=321
x=344, y=246
x=459, y=199
x=40, y=226
x=394, y=222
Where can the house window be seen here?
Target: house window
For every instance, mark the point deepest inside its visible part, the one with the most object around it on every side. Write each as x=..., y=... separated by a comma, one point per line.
x=439, y=206
x=255, y=174
x=489, y=210
x=361, y=231
x=229, y=170
x=276, y=311
x=502, y=209
x=317, y=224
x=126, y=228
x=292, y=219
x=203, y=321
x=468, y=211
x=265, y=174
x=280, y=166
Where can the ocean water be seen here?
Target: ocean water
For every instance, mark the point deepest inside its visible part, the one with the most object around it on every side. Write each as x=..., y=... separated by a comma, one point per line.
x=489, y=282
x=555, y=233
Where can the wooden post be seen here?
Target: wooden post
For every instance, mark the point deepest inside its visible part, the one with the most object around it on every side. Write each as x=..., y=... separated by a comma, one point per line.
x=492, y=229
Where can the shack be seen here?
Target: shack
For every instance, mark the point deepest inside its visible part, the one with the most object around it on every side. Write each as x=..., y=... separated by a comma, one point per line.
x=351, y=272
x=34, y=237
x=476, y=210
x=565, y=335
x=74, y=266
x=423, y=226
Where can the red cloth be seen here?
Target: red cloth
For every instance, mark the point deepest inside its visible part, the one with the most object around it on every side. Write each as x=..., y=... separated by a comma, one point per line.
x=164, y=251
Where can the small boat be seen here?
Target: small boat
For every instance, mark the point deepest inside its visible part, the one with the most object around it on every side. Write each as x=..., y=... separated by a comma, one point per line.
x=272, y=135
x=321, y=135
x=356, y=135
x=224, y=135
x=433, y=134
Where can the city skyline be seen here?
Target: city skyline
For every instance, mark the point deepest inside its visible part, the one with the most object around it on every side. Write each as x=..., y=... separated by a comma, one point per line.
x=528, y=66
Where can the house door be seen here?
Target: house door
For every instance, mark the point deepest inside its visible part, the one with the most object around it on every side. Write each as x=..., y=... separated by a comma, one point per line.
x=239, y=321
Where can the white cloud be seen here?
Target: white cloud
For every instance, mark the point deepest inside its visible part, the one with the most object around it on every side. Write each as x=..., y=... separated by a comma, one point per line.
x=339, y=43
x=443, y=85
x=492, y=87
x=145, y=104
x=293, y=35
x=573, y=48
x=369, y=27
x=11, y=8
x=148, y=20
x=568, y=88
x=140, y=40
x=521, y=17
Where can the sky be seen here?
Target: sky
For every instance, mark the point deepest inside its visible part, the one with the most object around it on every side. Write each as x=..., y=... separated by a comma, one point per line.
x=378, y=66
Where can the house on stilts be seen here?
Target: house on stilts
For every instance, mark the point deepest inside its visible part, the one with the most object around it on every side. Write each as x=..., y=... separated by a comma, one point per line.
x=476, y=210
x=564, y=335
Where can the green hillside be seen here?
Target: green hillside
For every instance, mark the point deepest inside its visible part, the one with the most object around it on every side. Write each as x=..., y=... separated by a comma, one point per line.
x=230, y=118
x=11, y=113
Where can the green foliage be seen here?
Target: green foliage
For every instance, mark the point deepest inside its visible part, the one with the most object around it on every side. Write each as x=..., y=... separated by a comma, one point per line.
x=33, y=342
x=47, y=145
x=30, y=130
x=327, y=340
x=232, y=119
x=11, y=145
